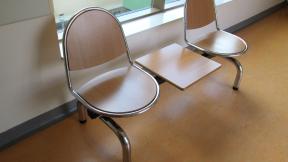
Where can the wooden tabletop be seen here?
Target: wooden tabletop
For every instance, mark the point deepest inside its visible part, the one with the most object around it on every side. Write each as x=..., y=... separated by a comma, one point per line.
x=177, y=65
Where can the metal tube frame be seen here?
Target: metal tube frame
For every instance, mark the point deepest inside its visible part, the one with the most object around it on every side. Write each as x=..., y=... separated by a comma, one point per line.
x=122, y=136
x=82, y=112
x=239, y=72
x=117, y=130
x=230, y=57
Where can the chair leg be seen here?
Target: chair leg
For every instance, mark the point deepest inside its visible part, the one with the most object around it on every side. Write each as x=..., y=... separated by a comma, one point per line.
x=82, y=112
x=122, y=136
x=239, y=72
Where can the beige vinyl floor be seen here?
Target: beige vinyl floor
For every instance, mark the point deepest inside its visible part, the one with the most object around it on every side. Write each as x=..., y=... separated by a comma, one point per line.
x=209, y=122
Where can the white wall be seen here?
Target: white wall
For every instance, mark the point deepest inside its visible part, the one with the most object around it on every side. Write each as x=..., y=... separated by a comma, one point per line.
x=31, y=73
x=13, y=11
x=32, y=79
x=238, y=10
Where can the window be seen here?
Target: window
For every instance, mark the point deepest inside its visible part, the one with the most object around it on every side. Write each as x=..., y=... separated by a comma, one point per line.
x=124, y=10
x=64, y=9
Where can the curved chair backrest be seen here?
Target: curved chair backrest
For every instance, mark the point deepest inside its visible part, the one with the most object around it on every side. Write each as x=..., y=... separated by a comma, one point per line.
x=199, y=13
x=93, y=36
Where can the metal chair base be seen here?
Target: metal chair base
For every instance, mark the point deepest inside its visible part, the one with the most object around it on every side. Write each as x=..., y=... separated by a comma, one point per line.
x=239, y=72
x=122, y=136
x=235, y=88
x=82, y=113
x=117, y=130
x=237, y=65
x=82, y=122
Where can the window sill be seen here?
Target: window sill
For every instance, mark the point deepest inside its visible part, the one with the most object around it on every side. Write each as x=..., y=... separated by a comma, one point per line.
x=161, y=18
x=152, y=21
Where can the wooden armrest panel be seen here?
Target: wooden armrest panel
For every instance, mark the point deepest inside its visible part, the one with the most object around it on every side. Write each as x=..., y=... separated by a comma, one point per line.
x=177, y=65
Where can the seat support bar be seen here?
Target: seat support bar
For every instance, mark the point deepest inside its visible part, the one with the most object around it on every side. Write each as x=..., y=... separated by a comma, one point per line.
x=82, y=112
x=122, y=136
x=239, y=72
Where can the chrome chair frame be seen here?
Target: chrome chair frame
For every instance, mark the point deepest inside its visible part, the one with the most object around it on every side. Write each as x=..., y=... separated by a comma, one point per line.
x=230, y=57
x=83, y=105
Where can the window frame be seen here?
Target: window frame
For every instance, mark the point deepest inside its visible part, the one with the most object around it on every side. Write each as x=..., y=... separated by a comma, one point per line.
x=157, y=7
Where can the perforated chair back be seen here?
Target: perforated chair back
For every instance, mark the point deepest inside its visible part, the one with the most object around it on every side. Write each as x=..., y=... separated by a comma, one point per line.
x=199, y=13
x=93, y=37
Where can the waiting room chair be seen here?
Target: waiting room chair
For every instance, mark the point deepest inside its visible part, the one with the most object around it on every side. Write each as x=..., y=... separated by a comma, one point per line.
x=201, y=13
x=92, y=38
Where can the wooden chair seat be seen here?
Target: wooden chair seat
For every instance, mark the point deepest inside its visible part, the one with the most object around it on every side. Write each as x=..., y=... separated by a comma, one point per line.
x=122, y=90
x=222, y=43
